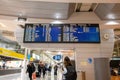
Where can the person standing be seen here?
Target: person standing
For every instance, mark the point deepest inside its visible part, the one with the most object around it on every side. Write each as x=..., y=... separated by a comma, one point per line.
x=55, y=72
x=30, y=69
x=4, y=65
x=41, y=69
x=69, y=72
x=55, y=69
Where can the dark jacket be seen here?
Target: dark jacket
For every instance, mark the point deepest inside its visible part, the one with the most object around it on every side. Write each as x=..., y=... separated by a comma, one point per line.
x=71, y=73
x=30, y=68
x=41, y=68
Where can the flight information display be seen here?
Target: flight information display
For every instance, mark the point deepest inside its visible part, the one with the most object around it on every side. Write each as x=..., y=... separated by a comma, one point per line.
x=55, y=32
x=35, y=32
x=62, y=33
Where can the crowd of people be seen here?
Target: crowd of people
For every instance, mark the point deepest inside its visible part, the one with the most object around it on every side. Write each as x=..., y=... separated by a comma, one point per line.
x=67, y=69
x=39, y=71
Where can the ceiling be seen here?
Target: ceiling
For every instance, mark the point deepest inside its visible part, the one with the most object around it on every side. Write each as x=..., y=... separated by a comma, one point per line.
x=108, y=11
x=53, y=10
x=31, y=9
x=43, y=10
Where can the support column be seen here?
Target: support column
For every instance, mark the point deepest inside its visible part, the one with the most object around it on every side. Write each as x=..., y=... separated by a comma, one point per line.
x=23, y=70
x=102, y=68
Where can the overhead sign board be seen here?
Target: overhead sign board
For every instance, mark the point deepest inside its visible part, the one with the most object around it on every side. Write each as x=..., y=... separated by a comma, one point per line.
x=62, y=33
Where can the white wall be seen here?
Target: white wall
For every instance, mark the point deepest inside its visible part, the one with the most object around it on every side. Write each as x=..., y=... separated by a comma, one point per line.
x=83, y=50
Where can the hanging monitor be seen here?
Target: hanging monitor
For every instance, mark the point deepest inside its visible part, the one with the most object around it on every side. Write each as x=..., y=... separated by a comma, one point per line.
x=61, y=33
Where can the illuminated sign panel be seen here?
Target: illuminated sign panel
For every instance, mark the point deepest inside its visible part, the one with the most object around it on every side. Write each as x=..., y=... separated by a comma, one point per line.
x=61, y=33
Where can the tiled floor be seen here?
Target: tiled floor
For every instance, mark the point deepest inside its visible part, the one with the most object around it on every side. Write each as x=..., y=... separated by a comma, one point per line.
x=11, y=77
x=17, y=76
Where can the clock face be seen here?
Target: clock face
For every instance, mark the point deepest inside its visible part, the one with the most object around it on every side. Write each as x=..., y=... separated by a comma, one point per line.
x=106, y=36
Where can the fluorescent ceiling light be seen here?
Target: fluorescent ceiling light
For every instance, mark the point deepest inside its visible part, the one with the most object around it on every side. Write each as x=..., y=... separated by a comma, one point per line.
x=57, y=22
x=111, y=23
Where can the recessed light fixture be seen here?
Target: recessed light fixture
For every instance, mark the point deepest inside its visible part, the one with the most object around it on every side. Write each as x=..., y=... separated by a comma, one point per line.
x=57, y=15
x=111, y=23
x=111, y=16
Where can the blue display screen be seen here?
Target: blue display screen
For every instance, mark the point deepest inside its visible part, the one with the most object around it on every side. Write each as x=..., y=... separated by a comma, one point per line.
x=55, y=33
x=39, y=33
x=62, y=33
x=57, y=57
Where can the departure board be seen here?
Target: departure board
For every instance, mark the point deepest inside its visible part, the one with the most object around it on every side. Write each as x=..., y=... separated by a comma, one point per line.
x=55, y=32
x=81, y=33
x=62, y=33
x=35, y=33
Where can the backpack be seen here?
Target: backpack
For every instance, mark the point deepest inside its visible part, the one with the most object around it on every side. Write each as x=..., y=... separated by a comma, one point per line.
x=71, y=73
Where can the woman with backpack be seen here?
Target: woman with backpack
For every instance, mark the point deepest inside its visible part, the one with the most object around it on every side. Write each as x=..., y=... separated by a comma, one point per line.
x=69, y=70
